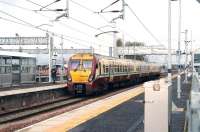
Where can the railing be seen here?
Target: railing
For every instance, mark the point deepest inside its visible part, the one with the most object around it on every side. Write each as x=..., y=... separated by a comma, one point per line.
x=193, y=105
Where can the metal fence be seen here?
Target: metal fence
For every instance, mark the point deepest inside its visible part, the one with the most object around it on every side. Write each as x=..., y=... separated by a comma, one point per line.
x=193, y=105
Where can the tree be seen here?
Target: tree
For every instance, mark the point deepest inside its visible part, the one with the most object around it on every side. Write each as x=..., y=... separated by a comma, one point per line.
x=119, y=43
x=134, y=43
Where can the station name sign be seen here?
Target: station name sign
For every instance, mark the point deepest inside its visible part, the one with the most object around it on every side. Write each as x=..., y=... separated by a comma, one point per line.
x=23, y=40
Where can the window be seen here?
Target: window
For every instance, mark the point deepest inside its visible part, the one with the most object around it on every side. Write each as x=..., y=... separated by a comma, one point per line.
x=100, y=68
x=26, y=69
x=196, y=58
x=2, y=70
x=3, y=61
x=7, y=61
x=74, y=64
x=15, y=61
x=104, y=68
x=87, y=64
x=8, y=69
x=118, y=68
x=107, y=69
x=24, y=61
x=15, y=68
x=31, y=61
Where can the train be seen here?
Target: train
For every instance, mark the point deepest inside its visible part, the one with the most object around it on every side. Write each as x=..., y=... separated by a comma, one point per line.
x=92, y=73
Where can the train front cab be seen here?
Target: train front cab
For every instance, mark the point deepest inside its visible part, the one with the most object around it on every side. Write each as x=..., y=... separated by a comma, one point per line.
x=81, y=72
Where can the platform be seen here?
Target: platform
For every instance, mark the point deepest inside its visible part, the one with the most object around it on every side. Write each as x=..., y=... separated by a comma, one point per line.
x=30, y=90
x=12, y=100
x=123, y=112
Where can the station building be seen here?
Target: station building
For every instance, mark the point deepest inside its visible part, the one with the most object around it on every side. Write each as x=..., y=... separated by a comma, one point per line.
x=16, y=68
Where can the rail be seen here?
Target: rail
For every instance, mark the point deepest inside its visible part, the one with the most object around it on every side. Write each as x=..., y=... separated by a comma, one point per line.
x=193, y=105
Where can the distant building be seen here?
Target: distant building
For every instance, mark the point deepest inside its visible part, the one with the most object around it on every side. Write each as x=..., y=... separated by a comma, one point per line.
x=16, y=68
x=157, y=54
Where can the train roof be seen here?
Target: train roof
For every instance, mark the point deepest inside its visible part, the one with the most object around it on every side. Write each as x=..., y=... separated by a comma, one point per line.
x=110, y=58
x=16, y=54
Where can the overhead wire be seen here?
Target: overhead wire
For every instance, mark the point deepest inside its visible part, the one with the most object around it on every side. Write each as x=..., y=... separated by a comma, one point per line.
x=46, y=17
x=27, y=9
x=24, y=23
x=72, y=18
x=144, y=26
x=27, y=24
x=79, y=21
x=90, y=10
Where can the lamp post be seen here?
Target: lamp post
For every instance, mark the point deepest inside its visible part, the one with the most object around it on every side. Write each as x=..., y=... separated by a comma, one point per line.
x=179, y=54
x=50, y=48
x=169, y=78
x=19, y=39
x=62, y=60
x=114, y=37
x=186, y=57
x=44, y=25
x=169, y=44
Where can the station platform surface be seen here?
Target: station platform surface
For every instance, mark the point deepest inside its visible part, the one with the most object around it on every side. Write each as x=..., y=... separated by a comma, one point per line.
x=30, y=90
x=123, y=112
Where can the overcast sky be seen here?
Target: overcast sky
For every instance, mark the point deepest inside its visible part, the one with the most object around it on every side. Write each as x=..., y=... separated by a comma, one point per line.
x=153, y=13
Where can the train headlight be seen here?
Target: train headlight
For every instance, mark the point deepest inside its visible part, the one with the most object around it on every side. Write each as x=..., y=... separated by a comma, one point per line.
x=69, y=78
x=91, y=77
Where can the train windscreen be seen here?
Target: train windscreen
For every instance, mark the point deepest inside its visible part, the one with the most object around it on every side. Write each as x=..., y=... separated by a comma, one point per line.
x=74, y=64
x=87, y=64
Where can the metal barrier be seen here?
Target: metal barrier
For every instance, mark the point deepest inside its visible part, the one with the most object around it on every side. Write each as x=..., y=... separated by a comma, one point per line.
x=193, y=105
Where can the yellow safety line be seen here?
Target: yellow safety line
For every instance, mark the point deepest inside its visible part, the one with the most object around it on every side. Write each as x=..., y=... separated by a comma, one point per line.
x=107, y=105
x=93, y=112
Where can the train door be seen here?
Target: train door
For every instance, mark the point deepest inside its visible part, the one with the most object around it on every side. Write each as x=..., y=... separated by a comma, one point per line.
x=16, y=71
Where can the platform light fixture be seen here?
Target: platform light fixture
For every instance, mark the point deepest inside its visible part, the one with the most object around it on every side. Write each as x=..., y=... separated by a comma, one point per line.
x=106, y=32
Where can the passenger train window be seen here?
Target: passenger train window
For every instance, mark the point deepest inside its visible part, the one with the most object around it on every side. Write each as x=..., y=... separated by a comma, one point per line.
x=107, y=69
x=99, y=68
x=74, y=64
x=104, y=68
x=87, y=64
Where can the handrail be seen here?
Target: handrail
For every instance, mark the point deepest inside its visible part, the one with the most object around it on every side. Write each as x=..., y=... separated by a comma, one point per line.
x=193, y=106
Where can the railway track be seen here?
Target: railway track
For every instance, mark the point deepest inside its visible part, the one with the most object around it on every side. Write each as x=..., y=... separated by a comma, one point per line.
x=41, y=108
x=21, y=118
x=16, y=115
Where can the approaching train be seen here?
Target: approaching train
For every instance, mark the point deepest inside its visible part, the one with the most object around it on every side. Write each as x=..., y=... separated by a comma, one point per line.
x=88, y=73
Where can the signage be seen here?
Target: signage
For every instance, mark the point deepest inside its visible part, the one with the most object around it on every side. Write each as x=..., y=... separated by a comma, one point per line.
x=23, y=40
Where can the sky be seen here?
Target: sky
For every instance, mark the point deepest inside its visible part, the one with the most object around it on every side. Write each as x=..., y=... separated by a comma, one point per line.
x=80, y=28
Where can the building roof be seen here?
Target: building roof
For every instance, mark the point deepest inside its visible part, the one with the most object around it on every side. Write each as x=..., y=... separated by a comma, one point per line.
x=16, y=54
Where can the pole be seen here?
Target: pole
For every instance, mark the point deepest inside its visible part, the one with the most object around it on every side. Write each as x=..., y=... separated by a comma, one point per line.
x=115, y=54
x=62, y=60
x=179, y=54
x=169, y=43
x=169, y=79
x=50, y=56
x=123, y=17
x=192, y=55
x=186, y=57
x=134, y=51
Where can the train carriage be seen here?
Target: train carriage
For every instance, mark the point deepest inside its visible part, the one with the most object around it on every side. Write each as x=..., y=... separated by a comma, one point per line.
x=88, y=73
